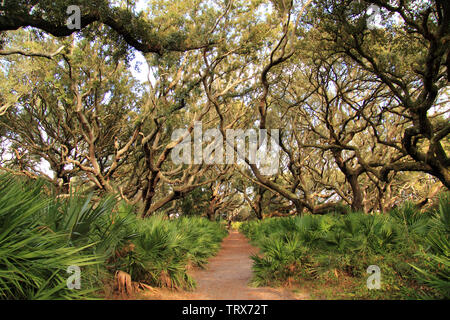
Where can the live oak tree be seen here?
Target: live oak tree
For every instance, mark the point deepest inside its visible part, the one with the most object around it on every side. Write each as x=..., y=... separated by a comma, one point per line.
x=170, y=104
x=223, y=198
x=376, y=168
x=361, y=108
x=409, y=52
x=333, y=119
x=94, y=153
x=75, y=116
x=131, y=28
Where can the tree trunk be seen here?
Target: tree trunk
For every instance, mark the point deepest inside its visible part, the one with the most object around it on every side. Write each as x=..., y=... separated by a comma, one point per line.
x=211, y=210
x=358, y=197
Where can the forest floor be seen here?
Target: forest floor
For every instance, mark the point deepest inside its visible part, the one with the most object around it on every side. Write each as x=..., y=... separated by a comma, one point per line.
x=226, y=277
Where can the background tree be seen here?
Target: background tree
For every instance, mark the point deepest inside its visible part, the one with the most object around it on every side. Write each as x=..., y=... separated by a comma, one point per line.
x=363, y=121
x=408, y=51
x=76, y=115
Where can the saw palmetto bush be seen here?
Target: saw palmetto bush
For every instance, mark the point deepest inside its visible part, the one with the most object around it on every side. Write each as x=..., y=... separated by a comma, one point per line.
x=416, y=223
x=34, y=258
x=410, y=246
x=202, y=238
x=105, y=222
x=157, y=257
x=41, y=236
x=283, y=259
x=163, y=250
x=435, y=253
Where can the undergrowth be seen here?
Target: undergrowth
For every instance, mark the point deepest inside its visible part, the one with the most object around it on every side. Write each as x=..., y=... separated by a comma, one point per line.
x=410, y=247
x=41, y=236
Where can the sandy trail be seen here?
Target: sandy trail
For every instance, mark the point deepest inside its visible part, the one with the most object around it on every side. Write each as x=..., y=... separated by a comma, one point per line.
x=226, y=277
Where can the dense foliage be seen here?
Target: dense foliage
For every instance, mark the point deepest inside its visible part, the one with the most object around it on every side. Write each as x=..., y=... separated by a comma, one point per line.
x=363, y=122
x=163, y=250
x=409, y=246
x=40, y=238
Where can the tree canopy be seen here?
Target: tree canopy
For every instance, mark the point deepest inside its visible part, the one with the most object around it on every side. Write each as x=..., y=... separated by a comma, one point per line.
x=361, y=104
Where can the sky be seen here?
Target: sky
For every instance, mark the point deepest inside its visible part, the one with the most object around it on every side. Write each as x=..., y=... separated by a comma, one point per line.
x=142, y=75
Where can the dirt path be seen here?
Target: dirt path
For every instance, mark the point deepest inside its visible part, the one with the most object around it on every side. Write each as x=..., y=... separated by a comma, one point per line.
x=226, y=277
